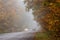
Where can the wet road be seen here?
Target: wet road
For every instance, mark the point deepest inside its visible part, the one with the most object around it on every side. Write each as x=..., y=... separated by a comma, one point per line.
x=18, y=36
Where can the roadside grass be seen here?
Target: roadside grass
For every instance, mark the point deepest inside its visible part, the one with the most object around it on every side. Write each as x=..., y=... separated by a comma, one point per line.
x=41, y=36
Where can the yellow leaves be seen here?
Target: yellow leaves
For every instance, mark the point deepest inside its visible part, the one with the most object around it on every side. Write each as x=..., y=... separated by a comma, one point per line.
x=51, y=4
x=54, y=7
x=51, y=22
x=56, y=20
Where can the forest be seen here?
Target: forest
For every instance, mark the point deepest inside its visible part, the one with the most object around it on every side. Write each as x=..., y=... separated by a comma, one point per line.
x=47, y=14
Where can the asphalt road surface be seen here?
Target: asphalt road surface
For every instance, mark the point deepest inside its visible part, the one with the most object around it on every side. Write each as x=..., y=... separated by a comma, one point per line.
x=17, y=36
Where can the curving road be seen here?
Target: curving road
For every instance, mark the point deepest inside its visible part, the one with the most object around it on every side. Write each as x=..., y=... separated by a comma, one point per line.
x=17, y=36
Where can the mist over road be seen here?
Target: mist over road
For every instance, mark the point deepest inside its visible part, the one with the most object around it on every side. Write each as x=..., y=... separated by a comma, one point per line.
x=17, y=36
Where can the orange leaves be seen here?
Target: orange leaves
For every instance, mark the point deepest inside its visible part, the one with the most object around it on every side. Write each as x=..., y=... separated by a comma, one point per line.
x=50, y=19
x=57, y=0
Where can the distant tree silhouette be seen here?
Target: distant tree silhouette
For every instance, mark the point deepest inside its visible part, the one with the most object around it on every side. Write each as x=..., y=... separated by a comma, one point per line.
x=7, y=16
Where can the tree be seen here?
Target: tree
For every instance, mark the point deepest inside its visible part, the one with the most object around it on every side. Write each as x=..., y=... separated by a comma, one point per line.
x=7, y=17
x=47, y=14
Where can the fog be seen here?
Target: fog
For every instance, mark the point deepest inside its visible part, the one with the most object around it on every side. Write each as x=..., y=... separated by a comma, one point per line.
x=23, y=20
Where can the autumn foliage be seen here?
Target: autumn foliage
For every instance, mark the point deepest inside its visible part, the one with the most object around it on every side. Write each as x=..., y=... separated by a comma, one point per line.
x=47, y=14
x=7, y=16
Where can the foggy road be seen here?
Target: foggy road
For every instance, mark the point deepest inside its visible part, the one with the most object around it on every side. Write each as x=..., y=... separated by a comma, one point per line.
x=22, y=20
x=17, y=36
